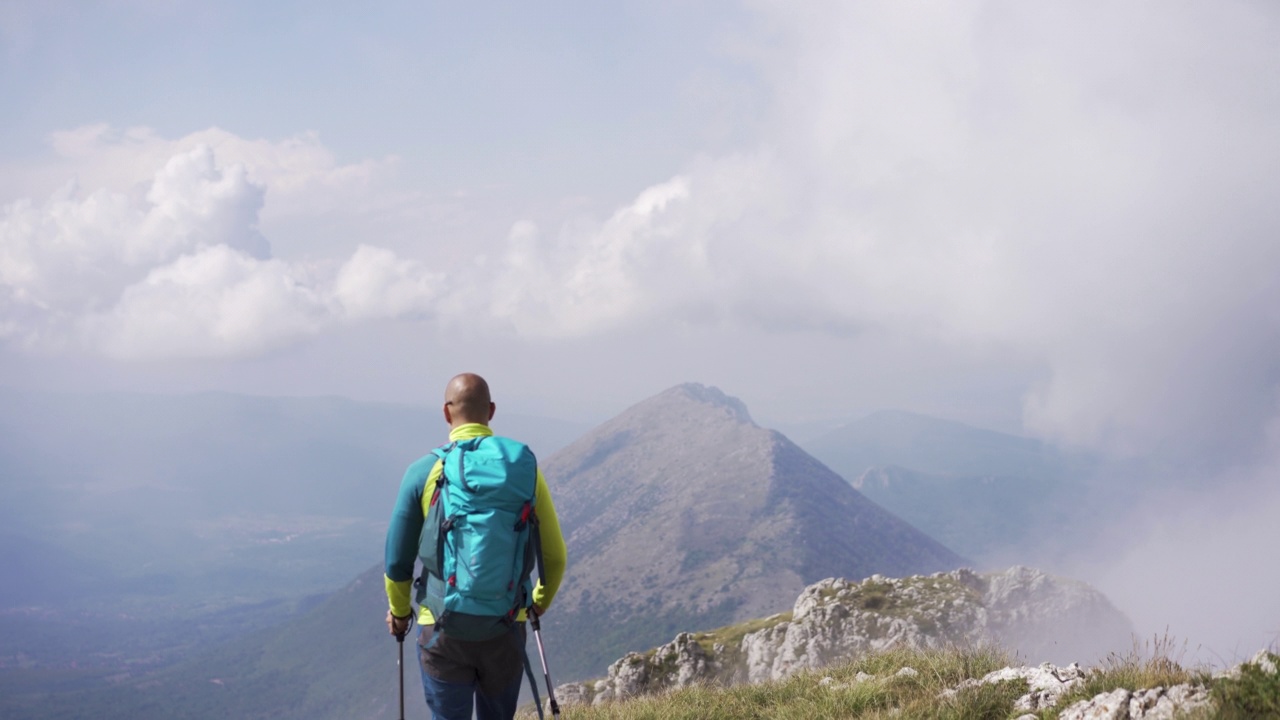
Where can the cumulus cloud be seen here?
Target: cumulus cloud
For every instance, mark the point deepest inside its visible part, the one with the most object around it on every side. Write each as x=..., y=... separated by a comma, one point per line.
x=215, y=302
x=181, y=269
x=70, y=254
x=375, y=283
x=1089, y=186
x=303, y=175
x=1086, y=186
x=587, y=280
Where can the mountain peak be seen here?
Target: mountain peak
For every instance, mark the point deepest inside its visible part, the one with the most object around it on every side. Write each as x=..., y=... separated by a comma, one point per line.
x=682, y=513
x=707, y=395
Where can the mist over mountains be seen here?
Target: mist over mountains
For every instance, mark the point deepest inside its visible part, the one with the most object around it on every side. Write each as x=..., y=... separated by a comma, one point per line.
x=993, y=497
x=243, y=514
x=128, y=515
x=941, y=447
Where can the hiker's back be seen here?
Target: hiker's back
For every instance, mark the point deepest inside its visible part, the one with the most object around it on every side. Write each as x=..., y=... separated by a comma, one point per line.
x=467, y=511
x=475, y=544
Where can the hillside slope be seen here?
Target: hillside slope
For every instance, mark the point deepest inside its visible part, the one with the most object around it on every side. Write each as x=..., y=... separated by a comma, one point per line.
x=681, y=513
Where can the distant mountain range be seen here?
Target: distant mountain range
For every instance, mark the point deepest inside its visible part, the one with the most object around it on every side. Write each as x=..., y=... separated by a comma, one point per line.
x=940, y=447
x=681, y=514
x=994, y=497
x=204, y=493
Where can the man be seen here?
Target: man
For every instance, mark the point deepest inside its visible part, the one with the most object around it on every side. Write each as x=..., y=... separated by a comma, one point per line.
x=456, y=673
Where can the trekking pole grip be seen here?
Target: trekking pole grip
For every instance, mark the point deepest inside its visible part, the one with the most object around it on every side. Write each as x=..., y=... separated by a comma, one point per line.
x=408, y=624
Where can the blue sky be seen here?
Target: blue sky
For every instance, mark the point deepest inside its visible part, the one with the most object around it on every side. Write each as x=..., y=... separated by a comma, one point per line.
x=573, y=94
x=1051, y=218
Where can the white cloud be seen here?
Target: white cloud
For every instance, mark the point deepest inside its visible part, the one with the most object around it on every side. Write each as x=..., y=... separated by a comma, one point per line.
x=1087, y=187
x=587, y=280
x=375, y=283
x=303, y=175
x=180, y=269
x=72, y=254
x=195, y=204
x=216, y=302
x=1079, y=185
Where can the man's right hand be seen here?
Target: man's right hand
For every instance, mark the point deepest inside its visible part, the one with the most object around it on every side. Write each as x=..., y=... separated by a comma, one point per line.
x=398, y=626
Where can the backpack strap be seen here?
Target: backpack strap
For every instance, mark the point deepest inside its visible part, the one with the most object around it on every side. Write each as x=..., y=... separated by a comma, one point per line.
x=444, y=452
x=432, y=523
x=535, y=537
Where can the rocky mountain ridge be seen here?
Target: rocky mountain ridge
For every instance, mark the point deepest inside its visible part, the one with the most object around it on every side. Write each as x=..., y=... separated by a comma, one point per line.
x=836, y=620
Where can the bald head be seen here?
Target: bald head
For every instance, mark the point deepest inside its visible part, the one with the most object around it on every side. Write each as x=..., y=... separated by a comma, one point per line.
x=466, y=400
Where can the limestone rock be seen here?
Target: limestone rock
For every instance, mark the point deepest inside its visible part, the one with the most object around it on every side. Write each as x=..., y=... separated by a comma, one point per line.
x=837, y=620
x=1150, y=704
x=1161, y=704
x=1112, y=705
x=1050, y=618
x=1022, y=609
x=686, y=661
x=1047, y=683
x=679, y=663
x=1267, y=662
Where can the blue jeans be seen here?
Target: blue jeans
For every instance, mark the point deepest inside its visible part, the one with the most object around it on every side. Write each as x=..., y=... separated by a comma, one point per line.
x=458, y=676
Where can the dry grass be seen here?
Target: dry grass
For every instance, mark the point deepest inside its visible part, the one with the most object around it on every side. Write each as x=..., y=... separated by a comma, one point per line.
x=835, y=693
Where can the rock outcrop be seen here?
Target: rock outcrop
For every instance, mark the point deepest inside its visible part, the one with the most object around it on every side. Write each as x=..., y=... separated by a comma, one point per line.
x=1151, y=704
x=1046, y=684
x=835, y=620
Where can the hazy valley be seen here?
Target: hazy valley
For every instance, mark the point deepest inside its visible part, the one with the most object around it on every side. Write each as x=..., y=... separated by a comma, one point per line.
x=178, y=552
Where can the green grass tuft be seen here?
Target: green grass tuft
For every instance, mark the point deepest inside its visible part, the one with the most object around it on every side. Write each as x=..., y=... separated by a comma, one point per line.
x=1153, y=663
x=1255, y=694
x=835, y=692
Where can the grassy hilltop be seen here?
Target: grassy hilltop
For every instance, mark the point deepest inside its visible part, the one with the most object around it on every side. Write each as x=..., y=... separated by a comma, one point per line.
x=908, y=684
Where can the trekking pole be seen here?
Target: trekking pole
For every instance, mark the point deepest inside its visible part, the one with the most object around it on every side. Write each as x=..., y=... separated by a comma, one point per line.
x=400, y=663
x=542, y=655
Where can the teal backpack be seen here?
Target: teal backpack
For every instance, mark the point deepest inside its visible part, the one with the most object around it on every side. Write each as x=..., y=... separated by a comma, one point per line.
x=478, y=542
